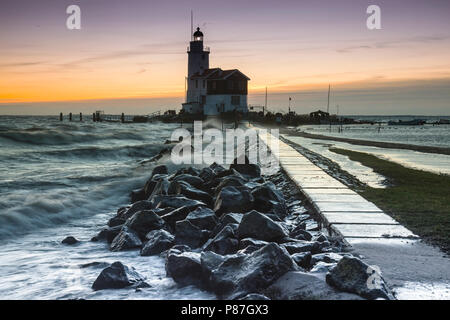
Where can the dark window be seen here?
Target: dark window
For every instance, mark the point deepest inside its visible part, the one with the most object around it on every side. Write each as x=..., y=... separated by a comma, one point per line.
x=203, y=99
x=203, y=56
x=196, y=84
x=230, y=84
x=214, y=85
x=204, y=84
x=235, y=100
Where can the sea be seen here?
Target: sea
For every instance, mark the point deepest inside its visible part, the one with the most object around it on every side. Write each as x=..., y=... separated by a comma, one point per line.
x=68, y=178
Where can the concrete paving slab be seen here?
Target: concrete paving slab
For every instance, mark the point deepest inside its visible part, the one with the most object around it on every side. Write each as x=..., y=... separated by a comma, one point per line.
x=372, y=231
x=366, y=206
x=310, y=192
x=358, y=218
x=353, y=197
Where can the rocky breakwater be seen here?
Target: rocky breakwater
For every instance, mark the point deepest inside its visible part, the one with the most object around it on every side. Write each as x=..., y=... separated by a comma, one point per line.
x=236, y=233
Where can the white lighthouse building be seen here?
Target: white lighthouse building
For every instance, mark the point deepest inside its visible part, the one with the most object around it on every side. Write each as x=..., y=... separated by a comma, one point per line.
x=214, y=91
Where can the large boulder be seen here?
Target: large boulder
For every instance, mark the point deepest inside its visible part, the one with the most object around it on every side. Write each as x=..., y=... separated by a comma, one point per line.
x=158, y=241
x=161, y=188
x=118, y=276
x=269, y=199
x=174, y=201
x=353, y=275
x=296, y=285
x=234, y=218
x=224, y=242
x=302, y=259
x=188, y=234
x=252, y=273
x=249, y=170
x=184, y=188
x=329, y=257
x=127, y=239
x=233, y=199
x=145, y=221
x=178, y=214
x=209, y=261
x=203, y=218
x=162, y=169
x=136, y=207
x=207, y=174
x=258, y=226
x=194, y=181
x=244, y=243
x=235, y=180
x=300, y=246
x=184, y=267
x=137, y=195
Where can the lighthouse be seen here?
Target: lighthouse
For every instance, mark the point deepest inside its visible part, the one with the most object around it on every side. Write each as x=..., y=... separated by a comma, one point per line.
x=214, y=91
x=198, y=55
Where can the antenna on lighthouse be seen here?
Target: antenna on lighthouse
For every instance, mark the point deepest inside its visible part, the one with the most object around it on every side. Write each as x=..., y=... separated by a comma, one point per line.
x=192, y=25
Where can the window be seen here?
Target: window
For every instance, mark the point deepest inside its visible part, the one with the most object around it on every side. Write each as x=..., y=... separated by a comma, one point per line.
x=196, y=84
x=235, y=100
x=214, y=85
x=230, y=84
x=204, y=84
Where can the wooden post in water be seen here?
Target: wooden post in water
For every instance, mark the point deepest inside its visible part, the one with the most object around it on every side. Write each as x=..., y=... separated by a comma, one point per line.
x=93, y=116
x=81, y=117
x=60, y=116
x=70, y=116
x=122, y=118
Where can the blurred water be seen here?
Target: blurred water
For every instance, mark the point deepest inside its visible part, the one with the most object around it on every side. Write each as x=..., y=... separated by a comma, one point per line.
x=67, y=178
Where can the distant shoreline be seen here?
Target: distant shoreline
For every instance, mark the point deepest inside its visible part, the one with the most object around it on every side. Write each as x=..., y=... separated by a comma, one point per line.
x=388, y=145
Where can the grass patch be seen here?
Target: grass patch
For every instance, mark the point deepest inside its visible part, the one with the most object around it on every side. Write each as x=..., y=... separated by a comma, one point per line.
x=417, y=199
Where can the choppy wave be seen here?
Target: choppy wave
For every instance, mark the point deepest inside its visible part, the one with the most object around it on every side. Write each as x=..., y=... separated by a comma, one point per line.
x=41, y=136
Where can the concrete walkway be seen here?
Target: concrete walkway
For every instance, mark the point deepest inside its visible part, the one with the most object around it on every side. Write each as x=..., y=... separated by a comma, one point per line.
x=414, y=269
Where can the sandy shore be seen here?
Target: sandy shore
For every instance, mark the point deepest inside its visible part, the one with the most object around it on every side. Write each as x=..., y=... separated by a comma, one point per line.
x=389, y=145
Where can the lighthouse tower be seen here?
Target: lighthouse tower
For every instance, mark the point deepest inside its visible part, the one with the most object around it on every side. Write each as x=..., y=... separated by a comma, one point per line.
x=198, y=60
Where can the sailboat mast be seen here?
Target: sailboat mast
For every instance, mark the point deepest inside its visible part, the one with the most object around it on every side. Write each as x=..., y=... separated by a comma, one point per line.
x=328, y=104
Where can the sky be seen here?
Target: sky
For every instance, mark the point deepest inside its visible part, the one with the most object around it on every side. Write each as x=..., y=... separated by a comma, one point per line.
x=130, y=56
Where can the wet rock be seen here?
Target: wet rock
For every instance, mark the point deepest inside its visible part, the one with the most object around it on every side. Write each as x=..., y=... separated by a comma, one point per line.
x=69, y=240
x=184, y=267
x=116, y=221
x=162, y=169
x=254, y=296
x=194, y=181
x=118, y=276
x=207, y=174
x=158, y=241
x=161, y=188
x=189, y=191
x=301, y=234
x=301, y=246
x=188, y=234
x=269, y=199
x=95, y=264
x=248, y=249
x=302, y=259
x=258, y=226
x=248, y=170
x=224, y=242
x=217, y=168
x=251, y=273
x=233, y=218
x=137, y=195
x=325, y=257
x=233, y=199
x=209, y=261
x=203, y=218
x=145, y=221
x=179, y=214
x=322, y=267
x=136, y=207
x=235, y=180
x=126, y=239
x=244, y=243
x=351, y=275
x=162, y=201
x=296, y=285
